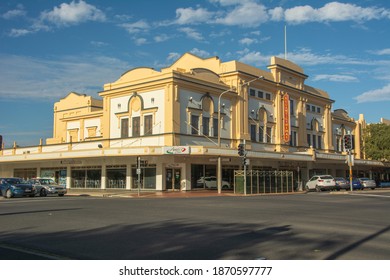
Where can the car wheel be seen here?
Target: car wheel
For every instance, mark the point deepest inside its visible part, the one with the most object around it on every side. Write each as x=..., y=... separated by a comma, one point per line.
x=60, y=194
x=307, y=188
x=318, y=189
x=373, y=188
x=8, y=194
x=43, y=192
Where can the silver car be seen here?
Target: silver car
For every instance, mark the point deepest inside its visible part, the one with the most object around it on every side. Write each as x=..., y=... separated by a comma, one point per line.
x=45, y=186
x=367, y=183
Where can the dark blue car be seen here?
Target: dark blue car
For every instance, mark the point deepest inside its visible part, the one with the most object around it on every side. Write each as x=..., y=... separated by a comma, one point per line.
x=356, y=184
x=15, y=187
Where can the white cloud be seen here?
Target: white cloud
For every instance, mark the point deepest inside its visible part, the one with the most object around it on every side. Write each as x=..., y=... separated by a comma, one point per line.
x=254, y=58
x=18, y=12
x=335, y=78
x=200, y=53
x=173, y=56
x=229, y=2
x=73, y=13
x=140, y=41
x=192, y=16
x=19, y=32
x=276, y=14
x=377, y=95
x=192, y=33
x=63, y=15
x=334, y=11
x=136, y=27
x=247, y=41
x=248, y=14
x=161, y=38
x=382, y=52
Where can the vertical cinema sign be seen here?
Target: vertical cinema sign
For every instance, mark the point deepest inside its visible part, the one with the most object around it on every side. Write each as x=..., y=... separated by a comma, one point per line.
x=286, y=117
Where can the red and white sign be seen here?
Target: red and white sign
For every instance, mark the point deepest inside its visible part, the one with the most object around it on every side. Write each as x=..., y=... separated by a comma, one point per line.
x=286, y=118
x=176, y=150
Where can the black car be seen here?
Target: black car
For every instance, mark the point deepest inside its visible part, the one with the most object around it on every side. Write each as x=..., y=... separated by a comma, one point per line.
x=13, y=187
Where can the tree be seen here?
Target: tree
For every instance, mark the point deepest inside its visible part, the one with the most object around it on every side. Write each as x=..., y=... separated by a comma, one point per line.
x=377, y=141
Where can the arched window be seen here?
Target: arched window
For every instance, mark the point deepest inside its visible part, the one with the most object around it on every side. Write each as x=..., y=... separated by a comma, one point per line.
x=314, y=139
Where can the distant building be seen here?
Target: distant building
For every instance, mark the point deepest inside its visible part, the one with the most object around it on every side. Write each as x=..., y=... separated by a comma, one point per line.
x=171, y=118
x=385, y=121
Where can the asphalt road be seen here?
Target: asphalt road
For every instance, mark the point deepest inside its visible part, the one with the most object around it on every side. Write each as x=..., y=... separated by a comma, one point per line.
x=282, y=227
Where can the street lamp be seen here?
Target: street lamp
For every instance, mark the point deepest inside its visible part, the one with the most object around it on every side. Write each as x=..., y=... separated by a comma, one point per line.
x=219, y=167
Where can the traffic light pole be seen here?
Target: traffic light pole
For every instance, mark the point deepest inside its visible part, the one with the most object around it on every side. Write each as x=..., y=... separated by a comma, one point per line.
x=350, y=169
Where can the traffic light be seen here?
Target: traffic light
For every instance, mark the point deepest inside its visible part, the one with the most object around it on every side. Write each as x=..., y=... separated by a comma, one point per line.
x=241, y=150
x=348, y=142
x=245, y=161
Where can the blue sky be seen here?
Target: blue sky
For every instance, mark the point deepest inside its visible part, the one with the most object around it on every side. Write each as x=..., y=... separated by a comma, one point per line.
x=50, y=48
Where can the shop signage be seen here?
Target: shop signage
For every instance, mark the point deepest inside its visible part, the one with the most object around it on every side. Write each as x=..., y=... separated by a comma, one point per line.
x=176, y=150
x=286, y=118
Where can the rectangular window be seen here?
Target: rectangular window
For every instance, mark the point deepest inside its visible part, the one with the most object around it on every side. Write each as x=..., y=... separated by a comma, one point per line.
x=338, y=144
x=252, y=92
x=268, y=96
x=269, y=133
x=307, y=107
x=261, y=134
x=148, y=125
x=194, y=124
x=136, y=127
x=318, y=110
x=314, y=141
x=309, y=140
x=291, y=107
x=260, y=94
x=313, y=108
x=215, y=127
x=206, y=125
x=124, y=128
x=293, y=139
x=253, y=132
x=319, y=142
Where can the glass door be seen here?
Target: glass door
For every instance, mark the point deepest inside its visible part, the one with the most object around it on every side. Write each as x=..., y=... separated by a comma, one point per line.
x=172, y=178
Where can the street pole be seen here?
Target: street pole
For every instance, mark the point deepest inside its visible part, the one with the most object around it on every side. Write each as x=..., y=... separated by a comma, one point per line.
x=139, y=174
x=219, y=167
x=219, y=164
x=244, y=161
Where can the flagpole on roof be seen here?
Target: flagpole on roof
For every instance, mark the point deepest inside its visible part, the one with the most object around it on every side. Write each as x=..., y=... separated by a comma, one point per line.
x=285, y=42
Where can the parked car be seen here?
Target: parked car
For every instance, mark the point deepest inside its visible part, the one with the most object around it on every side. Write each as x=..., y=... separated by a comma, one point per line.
x=321, y=182
x=210, y=182
x=384, y=184
x=367, y=183
x=342, y=183
x=45, y=186
x=15, y=187
x=356, y=184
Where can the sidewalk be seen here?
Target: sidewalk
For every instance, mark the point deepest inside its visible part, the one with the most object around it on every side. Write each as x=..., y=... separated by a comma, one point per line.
x=160, y=194
x=147, y=194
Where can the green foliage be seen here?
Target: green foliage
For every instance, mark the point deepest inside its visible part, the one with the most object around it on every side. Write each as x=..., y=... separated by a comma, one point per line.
x=377, y=141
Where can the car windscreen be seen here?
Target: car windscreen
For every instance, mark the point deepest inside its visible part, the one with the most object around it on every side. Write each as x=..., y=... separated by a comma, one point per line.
x=13, y=181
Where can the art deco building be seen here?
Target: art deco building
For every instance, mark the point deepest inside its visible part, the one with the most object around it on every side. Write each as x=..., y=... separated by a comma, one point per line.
x=186, y=121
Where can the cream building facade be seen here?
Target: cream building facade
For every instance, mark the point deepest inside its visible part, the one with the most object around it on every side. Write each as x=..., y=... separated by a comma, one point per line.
x=169, y=120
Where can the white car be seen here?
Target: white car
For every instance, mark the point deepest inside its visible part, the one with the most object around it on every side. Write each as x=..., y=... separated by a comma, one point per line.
x=321, y=182
x=210, y=182
x=367, y=183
